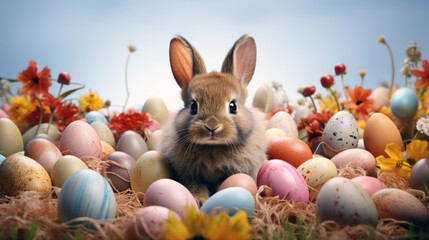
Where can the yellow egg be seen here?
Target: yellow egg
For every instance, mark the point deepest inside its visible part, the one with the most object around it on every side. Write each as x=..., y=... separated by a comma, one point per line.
x=274, y=133
x=106, y=149
x=10, y=138
x=20, y=173
x=150, y=167
x=104, y=132
x=53, y=132
x=153, y=139
x=64, y=168
x=157, y=109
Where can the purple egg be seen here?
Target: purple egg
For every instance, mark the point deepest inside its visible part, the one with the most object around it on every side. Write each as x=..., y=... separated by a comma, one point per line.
x=420, y=174
x=119, y=170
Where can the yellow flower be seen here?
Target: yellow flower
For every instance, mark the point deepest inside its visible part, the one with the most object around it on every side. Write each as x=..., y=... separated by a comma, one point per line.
x=328, y=104
x=90, y=102
x=20, y=106
x=211, y=226
x=361, y=123
x=415, y=151
x=386, y=111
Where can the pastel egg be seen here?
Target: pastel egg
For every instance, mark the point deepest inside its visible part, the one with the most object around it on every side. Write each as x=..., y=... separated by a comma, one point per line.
x=132, y=143
x=2, y=158
x=369, y=184
x=229, y=200
x=86, y=194
x=404, y=103
x=284, y=180
x=240, y=180
x=94, y=116
x=20, y=173
x=44, y=152
x=379, y=131
x=361, y=157
x=104, y=132
x=42, y=136
x=64, y=167
x=340, y=133
x=157, y=109
x=150, y=167
x=274, y=133
x=316, y=172
x=148, y=222
x=53, y=132
x=153, y=139
x=301, y=112
x=345, y=202
x=10, y=138
x=106, y=149
x=170, y=194
x=420, y=174
x=289, y=149
x=81, y=140
x=3, y=114
x=119, y=170
x=380, y=95
x=400, y=205
x=284, y=121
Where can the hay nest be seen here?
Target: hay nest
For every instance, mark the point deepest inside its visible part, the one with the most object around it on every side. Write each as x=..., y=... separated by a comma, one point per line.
x=273, y=216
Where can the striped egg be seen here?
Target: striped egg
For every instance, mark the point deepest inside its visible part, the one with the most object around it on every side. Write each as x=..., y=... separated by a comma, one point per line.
x=86, y=194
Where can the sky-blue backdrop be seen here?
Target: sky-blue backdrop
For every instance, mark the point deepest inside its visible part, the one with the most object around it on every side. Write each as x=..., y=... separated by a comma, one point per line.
x=298, y=41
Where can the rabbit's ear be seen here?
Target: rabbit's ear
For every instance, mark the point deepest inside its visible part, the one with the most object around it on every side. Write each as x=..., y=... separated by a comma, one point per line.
x=241, y=59
x=185, y=61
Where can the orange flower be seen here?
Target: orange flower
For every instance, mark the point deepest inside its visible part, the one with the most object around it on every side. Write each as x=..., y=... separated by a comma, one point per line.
x=33, y=82
x=359, y=101
x=423, y=75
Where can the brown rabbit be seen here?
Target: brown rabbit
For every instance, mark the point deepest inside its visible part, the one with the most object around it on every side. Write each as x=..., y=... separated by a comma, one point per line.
x=214, y=135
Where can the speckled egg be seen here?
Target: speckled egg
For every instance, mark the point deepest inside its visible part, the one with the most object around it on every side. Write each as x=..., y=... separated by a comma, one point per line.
x=64, y=168
x=316, y=172
x=81, y=140
x=229, y=200
x=340, y=133
x=132, y=143
x=21, y=173
x=44, y=152
x=119, y=171
x=94, y=116
x=157, y=109
x=420, y=174
x=400, y=205
x=10, y=138
x=404, y=103
x=369, y=184
x=284, y=121
x=361, y=157
x=52, y=132
x=345, y=202
x=104, y=132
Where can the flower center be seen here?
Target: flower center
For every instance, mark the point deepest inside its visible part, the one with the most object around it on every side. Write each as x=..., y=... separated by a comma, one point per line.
x=198, y=238
x=36, y=80
x=399, y=163
x=358, y=102
x=411, y=161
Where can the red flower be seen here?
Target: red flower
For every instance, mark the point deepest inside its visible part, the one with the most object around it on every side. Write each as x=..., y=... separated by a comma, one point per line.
x=51, y=101
x=64, y=78
x=340, y=68
x=359, y=101
x=327, y=80
x=67, y=112
x=33, y=82
x=130, y=120
x=422, y=74
x=309, y=90
x=314, y=125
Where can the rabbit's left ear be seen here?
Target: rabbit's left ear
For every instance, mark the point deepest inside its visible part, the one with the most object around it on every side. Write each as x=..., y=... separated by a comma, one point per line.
x=241, y=59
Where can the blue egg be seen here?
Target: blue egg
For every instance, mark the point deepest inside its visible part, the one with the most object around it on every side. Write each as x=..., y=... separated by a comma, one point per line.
x=86, y=194
x=231, y=199
x=95, y=116
x=2, y=158
x=404, y=103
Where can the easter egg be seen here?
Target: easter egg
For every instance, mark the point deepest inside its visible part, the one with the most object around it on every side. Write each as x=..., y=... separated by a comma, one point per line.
x=379, y=131
x=95, y=116
x=380, y=95
x=81, y=140
x=153, y=139
x=157, y=109
x=420, y=174
x=64, y=167
x=41, y=136
x=119, y=170
x=274, y=133
x=52, y=132
x=3, y=114
x=404, y=103
x=284, y=180
x=106, y=149
x=263, y=98
x=369, y=184
x=2, y=158
x=301, y=112
x=150, y=167
x=170, y=194
x=86, y=194
x=240, y=180
x=340, y=133
x=44, y=152
x=20, y=173
x=147, y=222
x=132, y=143
x=362, y=158
x=316, y=172
x=289, y=149
x=104, y=132
x=400, y=205
x=10, y=138
x=284, y=121
x=345, y=202
x=229, y=200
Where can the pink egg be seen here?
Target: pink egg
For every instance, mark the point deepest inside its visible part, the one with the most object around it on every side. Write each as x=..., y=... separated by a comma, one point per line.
x=361, y=157
x=3, y=114
x=369, y=184
x=284, y=180
x=44, y=152
x=81, y=140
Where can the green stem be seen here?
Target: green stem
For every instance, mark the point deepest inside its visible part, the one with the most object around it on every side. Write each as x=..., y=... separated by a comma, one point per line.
x=344, y=86
x=41, y=113
x=314, y=105
x=361, y=81
x=393, y=68
x=126, y=81
x=59, y=92
x=335, y=97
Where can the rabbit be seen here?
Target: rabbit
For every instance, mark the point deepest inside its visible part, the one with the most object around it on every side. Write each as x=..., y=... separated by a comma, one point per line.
x=214, y=136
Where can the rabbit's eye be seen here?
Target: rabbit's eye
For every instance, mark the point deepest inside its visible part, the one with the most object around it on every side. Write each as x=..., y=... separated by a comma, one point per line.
x=194, y=107
x=232, y=107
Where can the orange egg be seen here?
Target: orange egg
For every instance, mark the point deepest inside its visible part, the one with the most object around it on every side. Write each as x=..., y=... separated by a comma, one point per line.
x=106, y=149
x=240, y=180
x=289, y=149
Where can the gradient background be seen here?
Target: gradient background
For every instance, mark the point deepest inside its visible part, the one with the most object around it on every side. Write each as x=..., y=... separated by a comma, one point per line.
x=298, y=41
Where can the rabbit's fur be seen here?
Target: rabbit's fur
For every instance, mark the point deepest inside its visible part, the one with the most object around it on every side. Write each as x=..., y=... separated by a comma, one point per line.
x=214, y=136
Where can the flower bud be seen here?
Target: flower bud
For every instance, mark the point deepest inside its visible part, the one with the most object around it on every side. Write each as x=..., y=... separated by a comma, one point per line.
x=327, y=80
x=340, y=69
x=64, y=78
x=309, y=90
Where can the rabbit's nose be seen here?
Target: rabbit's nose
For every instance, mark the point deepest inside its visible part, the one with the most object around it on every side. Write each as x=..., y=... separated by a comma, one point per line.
x=211, y=129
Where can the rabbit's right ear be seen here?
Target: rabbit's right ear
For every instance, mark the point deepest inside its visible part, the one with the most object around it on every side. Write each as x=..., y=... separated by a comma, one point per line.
x=185, y=61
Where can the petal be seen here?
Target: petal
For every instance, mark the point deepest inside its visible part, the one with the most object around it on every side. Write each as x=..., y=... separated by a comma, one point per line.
x=421, y=83
x=367, y=92
x=425, y=64
x=386, y=164
x=417, y=150
x=394, y=151
x=418, y=72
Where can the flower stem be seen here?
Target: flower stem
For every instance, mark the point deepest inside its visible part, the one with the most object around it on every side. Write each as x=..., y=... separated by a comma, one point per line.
x=126, y=82
x=393, y=68
x=344, y=87
x=335, y=97
x=406, y=81
x=50, y=121
x=314, y=105
x=361, y=81
x=59, y=92
x=41, y=113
